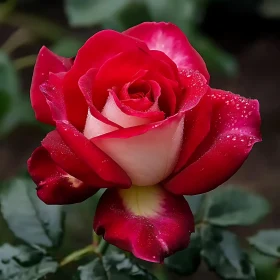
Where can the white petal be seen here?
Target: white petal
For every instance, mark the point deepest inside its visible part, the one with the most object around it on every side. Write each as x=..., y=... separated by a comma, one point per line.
x=147, y=158
x=95, y=127
x=112, y=112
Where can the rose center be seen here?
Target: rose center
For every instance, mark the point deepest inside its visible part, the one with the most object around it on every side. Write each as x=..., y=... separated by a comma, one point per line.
x=140, y=89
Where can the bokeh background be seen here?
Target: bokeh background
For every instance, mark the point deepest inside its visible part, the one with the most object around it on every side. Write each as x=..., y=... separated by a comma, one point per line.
x=239, y=40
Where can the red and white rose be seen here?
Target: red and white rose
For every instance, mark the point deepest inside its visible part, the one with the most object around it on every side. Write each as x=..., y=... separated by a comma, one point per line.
x=134, y=113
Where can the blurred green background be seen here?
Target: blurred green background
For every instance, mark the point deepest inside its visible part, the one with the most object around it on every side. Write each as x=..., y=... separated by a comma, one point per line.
x=239, y=40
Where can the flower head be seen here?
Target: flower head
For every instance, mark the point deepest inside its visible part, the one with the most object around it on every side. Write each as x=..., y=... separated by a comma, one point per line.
x=134, y=113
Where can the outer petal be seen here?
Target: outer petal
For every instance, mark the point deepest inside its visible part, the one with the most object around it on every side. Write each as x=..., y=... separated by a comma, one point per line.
x=63, y=156
x=100, y=163
x=195, y=87
x=55, y=186
x=168, y=38
x=196, y=128
x=235, y=127
x=148, y=153
x=147, y=221
x=46, y=62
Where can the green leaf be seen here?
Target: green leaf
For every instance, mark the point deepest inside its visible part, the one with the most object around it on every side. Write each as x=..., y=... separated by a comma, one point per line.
x=270, y=9
x=184, y=13
x=24, y=263
x=5, y=103
x=67, y=46
x=267, y=242
x=230, y=205
x=186, y=262
x=15, y=108
x=266, y=267
x=133, y=14
x=216, y=59
x=91, y=12
x=222, y=252
x=195, y=202
x=115, y=266
x=93, y=270
x=28, y=217
x=9, y=82
x=117, y=263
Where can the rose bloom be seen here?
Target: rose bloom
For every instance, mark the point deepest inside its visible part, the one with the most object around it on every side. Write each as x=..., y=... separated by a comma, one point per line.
x=133, y=112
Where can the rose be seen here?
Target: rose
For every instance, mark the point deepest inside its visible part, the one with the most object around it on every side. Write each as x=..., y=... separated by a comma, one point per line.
x=134, y=113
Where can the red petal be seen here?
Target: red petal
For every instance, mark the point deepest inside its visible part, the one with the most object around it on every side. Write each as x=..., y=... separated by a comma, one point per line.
x=195, y=86
x=168, y=38
x=196, y=128
x=100, y=163
x=147, y=221
x=94, y=53
x=55, y=186
x=235, y=127
x=53, y=92
x=86, y=84
x=62, y=155
x=140, y=104
x=167, y=100
x=46, y=62
x=122, y=69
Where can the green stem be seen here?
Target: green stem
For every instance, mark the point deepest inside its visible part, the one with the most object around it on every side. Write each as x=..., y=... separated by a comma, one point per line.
x=17, y=39
x=95, y=239
x=25, y=61
x=75, y=256
x=102, y=247
x=46, y=29
x=278, y=276
x=100, y=250
x=160, y=272
x=7, y=8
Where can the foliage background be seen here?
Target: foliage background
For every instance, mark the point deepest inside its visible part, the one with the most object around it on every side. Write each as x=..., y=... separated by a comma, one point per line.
x=239, y=39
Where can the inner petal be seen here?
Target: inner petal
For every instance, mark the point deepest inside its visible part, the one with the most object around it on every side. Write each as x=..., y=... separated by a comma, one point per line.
x=139, y=89
x=141, y=95
x=124, y=116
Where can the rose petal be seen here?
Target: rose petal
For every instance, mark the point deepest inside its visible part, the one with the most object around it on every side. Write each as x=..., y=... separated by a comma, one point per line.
x=142, y=104
x=100, y=163
x=55, y=186
x=53, y=92
x=94, y=127
x=139, y=104
x=168, y=38
x=235, y=127
x=96, y=124
x=148, y=153
x=122, y=69
x=196, y=128
x=147, y=221
x=195, y=86
x=62, y=155
x=46, y=62
x=94, y=53
x=114, y=110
